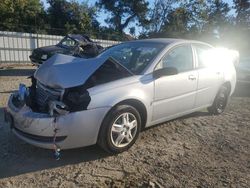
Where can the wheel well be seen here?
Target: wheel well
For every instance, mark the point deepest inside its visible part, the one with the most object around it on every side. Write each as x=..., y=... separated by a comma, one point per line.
x=138, y=105
x=228, y=85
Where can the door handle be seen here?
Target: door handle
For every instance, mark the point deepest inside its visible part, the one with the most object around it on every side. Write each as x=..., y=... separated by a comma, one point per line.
x=191, y=77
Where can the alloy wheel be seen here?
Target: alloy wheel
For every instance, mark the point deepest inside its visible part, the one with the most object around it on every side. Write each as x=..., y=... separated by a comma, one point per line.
x=123, y=130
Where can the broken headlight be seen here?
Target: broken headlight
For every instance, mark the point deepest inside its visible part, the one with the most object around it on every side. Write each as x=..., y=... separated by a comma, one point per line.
x=19, y=98
x=44, y=57
x=76, y=99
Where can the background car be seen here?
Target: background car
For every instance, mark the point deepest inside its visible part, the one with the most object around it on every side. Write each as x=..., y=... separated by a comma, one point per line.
x=109, y=99
x=243, y=70
x=73, y=44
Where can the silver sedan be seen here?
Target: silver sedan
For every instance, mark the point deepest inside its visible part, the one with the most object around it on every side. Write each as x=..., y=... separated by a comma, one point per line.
x=108, y=100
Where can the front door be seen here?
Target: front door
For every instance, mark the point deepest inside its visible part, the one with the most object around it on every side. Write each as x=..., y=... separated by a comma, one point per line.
x=175, y=94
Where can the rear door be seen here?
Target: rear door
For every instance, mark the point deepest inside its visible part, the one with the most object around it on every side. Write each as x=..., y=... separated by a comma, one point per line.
x=175, y=94
x=210, y=78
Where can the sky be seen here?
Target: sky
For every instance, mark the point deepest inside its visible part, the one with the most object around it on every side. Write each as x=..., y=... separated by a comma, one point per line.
x=101, y=16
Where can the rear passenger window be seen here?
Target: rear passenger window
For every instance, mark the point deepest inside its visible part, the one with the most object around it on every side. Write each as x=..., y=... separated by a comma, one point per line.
x=200, y=51
x=180, y=57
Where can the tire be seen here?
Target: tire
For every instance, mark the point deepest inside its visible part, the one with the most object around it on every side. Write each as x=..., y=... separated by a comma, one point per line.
x=220, y=101
x=115, y=135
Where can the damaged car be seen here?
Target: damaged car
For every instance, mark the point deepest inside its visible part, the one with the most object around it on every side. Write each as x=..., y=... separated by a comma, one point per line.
x=108, y=100
x=72, y=44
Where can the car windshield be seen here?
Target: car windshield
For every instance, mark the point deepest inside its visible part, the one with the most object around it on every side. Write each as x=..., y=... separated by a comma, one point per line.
x=68, y=42
x=134, y=56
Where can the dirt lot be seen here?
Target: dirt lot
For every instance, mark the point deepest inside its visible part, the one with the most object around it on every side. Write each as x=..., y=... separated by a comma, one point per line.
x=198, y=150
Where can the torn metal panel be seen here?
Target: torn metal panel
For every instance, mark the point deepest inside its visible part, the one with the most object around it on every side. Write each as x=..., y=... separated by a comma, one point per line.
x=58, y=108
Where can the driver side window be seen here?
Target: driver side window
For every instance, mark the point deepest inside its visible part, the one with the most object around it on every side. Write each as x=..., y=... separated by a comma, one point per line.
x=180, y=57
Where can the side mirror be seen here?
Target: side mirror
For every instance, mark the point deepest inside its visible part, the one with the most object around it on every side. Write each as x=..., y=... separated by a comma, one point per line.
x=165, y=72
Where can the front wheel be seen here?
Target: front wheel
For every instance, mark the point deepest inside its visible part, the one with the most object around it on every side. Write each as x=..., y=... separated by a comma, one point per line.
x=120, y=129
x=220, y=101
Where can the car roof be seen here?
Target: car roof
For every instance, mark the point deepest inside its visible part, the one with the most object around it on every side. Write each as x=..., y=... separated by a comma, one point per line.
x=168, y=41
x=80, y=37
x=161, y=40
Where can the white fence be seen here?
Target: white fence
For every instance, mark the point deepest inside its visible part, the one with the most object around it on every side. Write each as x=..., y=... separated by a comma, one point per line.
x=16, y=47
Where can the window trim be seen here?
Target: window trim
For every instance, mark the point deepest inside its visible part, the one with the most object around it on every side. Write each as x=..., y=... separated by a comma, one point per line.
x=176, y=46
x=194, y=46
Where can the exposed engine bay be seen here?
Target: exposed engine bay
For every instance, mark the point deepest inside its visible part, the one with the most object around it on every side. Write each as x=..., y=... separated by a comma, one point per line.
x=59, y=101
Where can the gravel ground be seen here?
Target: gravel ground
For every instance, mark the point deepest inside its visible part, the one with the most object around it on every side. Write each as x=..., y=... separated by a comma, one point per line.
x=198, y=150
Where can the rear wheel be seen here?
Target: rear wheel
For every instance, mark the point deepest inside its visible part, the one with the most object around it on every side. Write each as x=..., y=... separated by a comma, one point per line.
x=120, y=129
x=220, y=101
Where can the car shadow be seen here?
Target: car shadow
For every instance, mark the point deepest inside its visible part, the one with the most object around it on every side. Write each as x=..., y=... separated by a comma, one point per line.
x=17, y=72
x=43, y=159
x=18, y=157
x=194, y=114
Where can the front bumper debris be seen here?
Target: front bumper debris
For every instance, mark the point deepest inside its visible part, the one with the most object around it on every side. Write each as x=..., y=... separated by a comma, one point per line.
x=76, y=129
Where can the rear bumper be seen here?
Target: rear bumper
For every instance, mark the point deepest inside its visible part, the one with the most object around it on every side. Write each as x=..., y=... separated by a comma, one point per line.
x=76, y=129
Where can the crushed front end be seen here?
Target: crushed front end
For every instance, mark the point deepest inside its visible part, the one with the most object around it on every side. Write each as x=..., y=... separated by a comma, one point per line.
x=48, y=117
x=54, y=109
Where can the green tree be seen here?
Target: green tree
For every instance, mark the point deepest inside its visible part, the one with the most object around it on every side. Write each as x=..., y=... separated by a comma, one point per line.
x=239, y=36
x=20, y=15
x=217, y=21
x=109, y=33
x=72, y=17
x=242, y=8
x=180, y=19
x=197, y=14
x=123, y=12
x=176, y=24
x=157, y=15
x=204, y=20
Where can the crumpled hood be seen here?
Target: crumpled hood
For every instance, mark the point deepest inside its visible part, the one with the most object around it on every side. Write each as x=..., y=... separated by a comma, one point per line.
x=63, y=71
